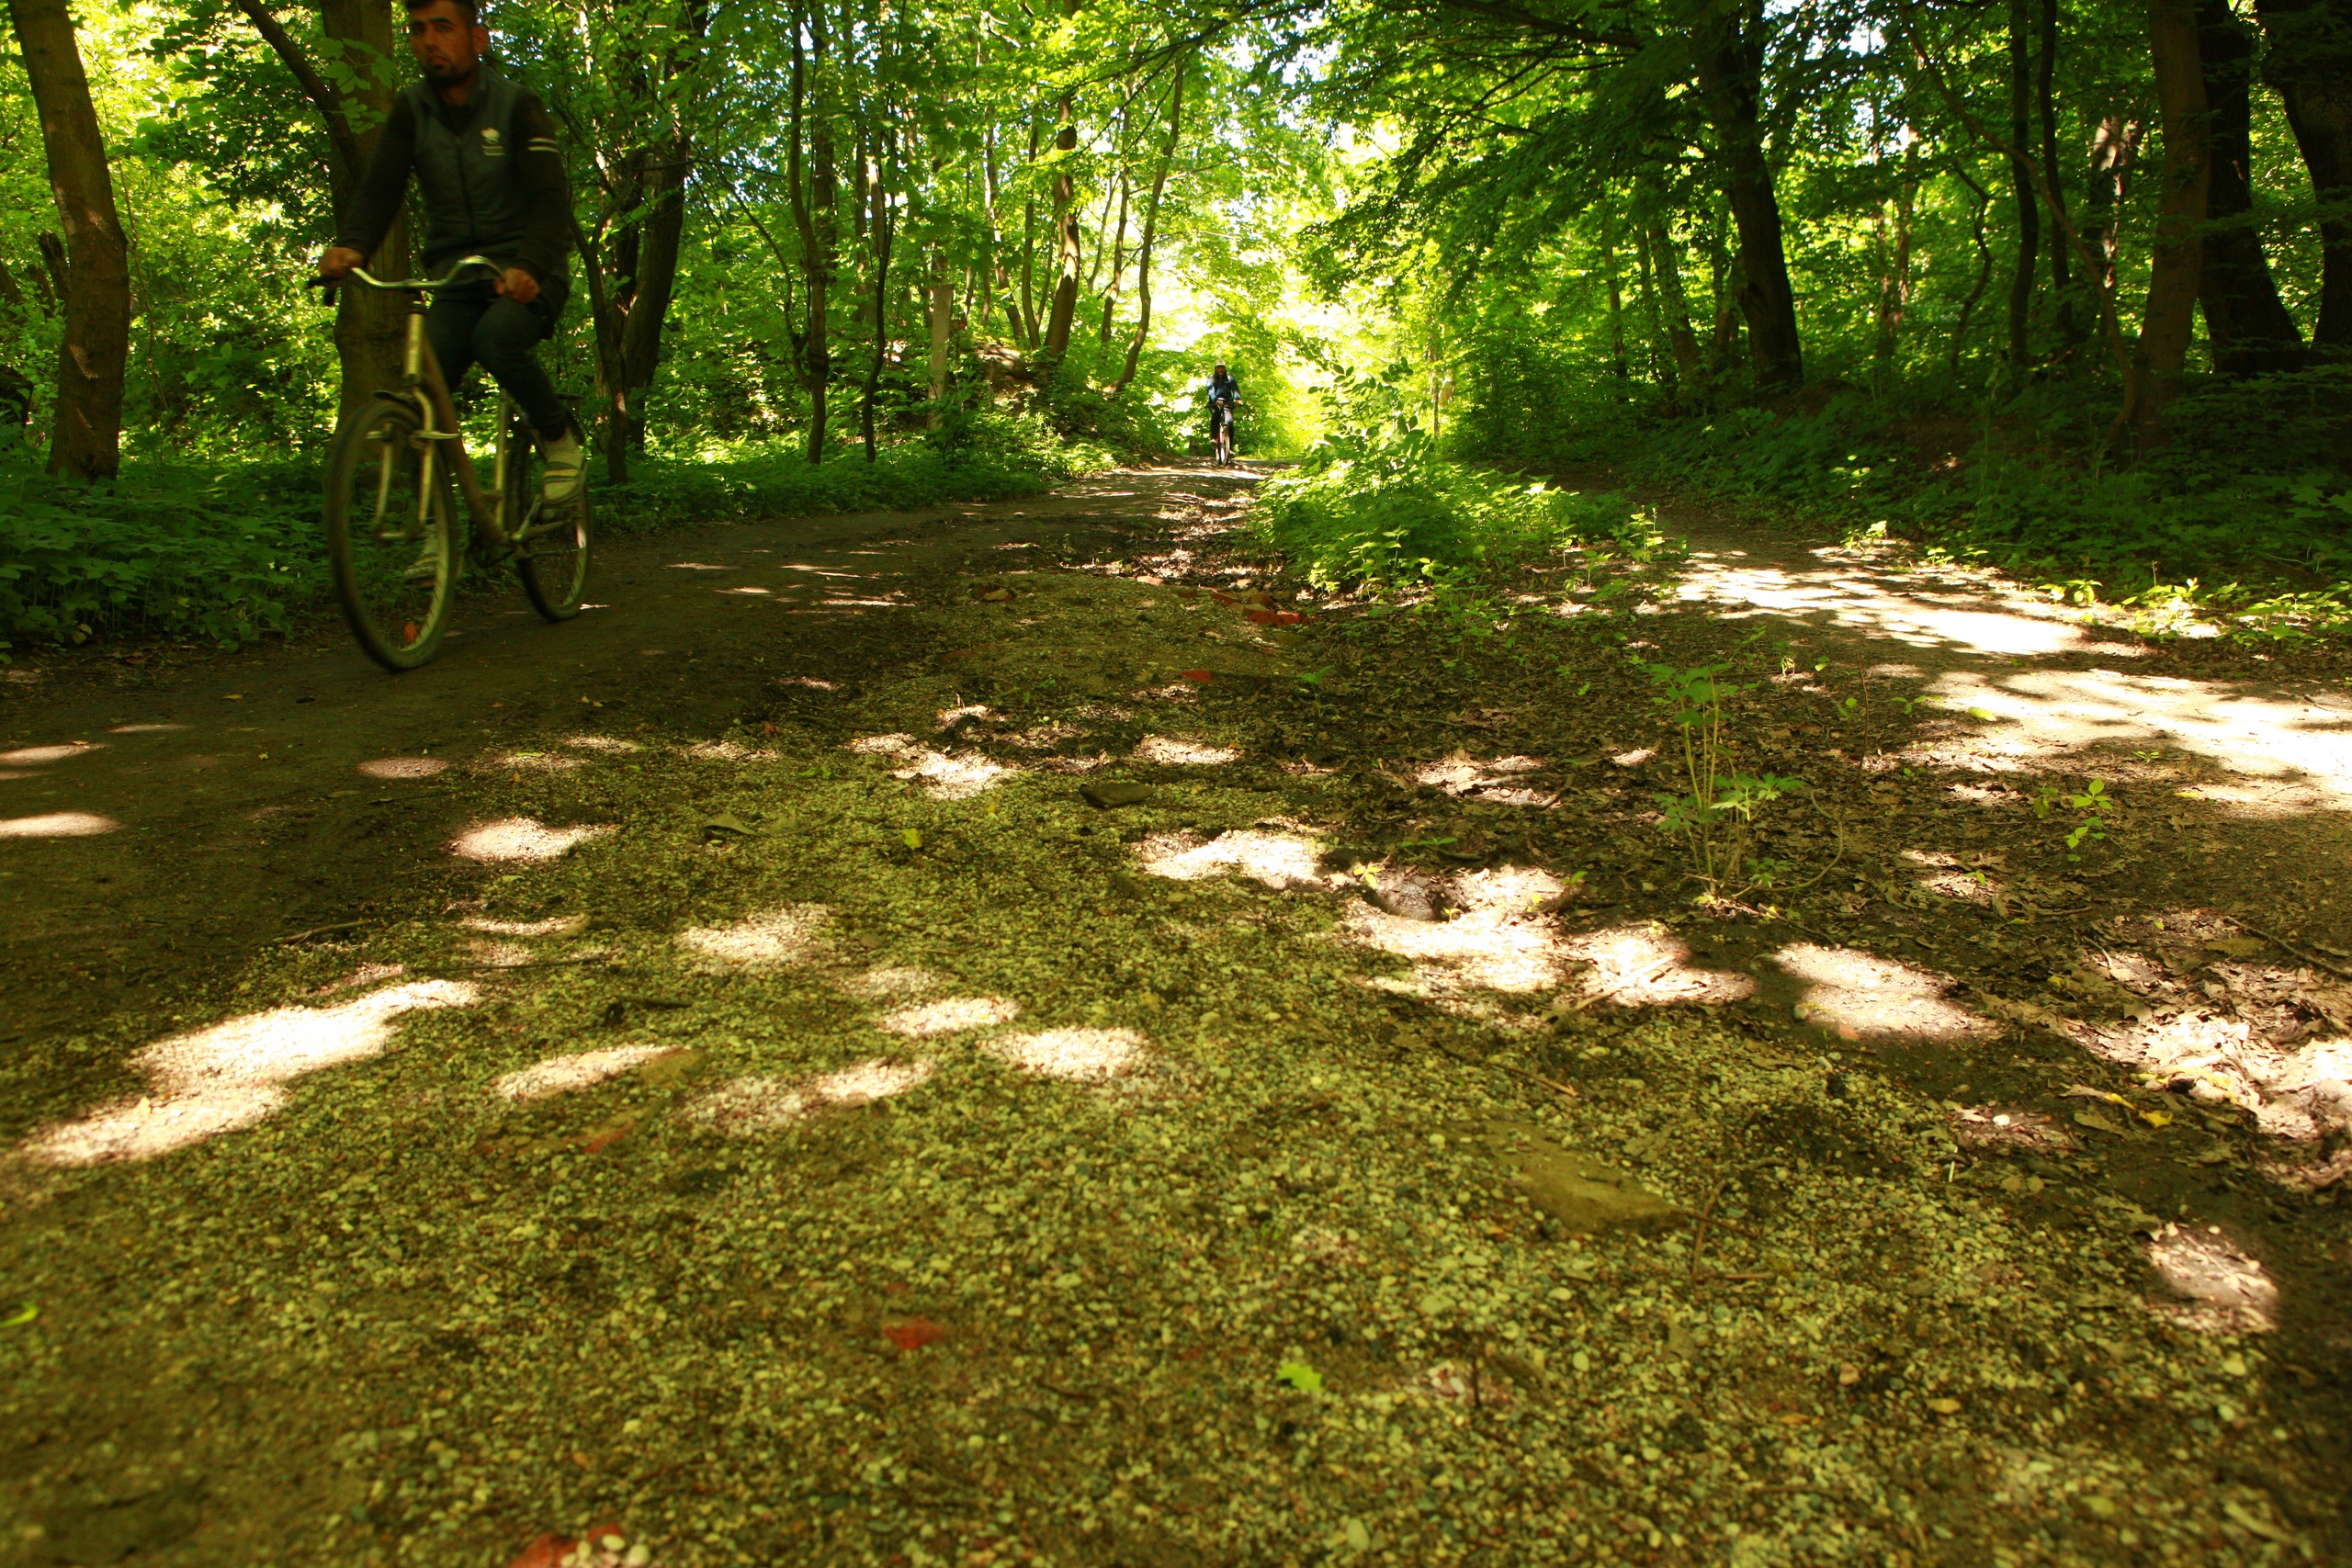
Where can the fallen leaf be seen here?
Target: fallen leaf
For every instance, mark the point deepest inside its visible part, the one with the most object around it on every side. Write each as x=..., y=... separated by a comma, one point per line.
x=911, y=837
x=2098, y=1123
x=1300, y=1376
x=914, y=1334
x=1198, y=677
x=1944, y=1406
x=18, y=1319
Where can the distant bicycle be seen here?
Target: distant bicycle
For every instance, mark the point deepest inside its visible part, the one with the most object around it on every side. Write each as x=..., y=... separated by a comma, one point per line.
x=392, y=532
x=1221, y=411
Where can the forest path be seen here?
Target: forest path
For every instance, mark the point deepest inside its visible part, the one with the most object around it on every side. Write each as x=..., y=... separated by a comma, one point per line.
x=992, y=1044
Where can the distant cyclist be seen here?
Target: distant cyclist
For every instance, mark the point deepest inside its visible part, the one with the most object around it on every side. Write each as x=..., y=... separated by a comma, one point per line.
x=484, y=151
x=1224, y=396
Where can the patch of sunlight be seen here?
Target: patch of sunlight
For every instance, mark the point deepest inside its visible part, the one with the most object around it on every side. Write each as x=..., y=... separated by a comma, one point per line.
x=950, y=1015
x=697, y=566
x=2303, y=749
x=144, y=728
x=1073, y=1056
x=747, y=588
x=897, y=980
x=535, y=762
x=750, y=1105
x=403, y=767
x=1498, y=783
x=944, y=777
x=58, y=824
x=232, y=1074
x=1191, y=753
x=1850, y=596
x=810, y=682
x=554, y=925
x=950, y=717
x=1862, y=996
x=560, y=1074
x=728, y=751
x=498, y=954
x=29, y=756
x=1278, y=860
x=523, y=839
x=2221, y=1290
x=766, y=941
x=1648, y=965
x=605, y=743
x=1636, y=757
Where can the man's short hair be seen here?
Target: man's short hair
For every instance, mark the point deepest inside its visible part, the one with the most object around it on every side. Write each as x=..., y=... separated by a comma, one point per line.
x=466, y=9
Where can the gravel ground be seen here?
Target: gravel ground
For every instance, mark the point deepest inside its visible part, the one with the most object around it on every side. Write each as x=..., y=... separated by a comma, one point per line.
x=843, y=1142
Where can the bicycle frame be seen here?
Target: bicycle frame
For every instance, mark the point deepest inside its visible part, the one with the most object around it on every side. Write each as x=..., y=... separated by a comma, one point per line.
x=423, y=383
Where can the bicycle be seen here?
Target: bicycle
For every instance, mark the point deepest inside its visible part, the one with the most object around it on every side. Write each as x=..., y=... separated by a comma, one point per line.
x=1221, y=413
x=392, y=535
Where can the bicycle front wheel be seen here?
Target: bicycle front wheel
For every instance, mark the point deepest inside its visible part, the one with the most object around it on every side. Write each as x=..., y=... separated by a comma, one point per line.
x=551, y=542
x=391, y=538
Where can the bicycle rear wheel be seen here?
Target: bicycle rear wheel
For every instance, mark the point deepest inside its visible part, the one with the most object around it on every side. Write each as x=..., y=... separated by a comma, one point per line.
x=551, y=543
x=392, y=545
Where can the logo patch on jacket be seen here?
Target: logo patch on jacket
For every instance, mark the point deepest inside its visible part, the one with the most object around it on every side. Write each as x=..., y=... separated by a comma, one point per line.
x=490, y=145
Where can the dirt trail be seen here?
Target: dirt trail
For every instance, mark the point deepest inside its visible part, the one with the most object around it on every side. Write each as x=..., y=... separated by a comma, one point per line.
x=986, y=1038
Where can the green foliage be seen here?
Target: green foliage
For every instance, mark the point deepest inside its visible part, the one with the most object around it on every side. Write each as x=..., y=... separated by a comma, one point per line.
x=1716, y=810
x=168, y=550
x=1375, y=502
x=2091, y=806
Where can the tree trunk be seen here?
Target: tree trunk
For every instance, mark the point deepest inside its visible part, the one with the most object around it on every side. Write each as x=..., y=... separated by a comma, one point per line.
x=2021, y=179
x=2309, y=65
x=2115, y=152
x=85, y=440
x=1151, y=229
x=811, y=176
x=2249, y=327
x=655, y=280
x=1894, y=284
x=1028, y=333
x=1689, y=363
x=940, y=308
x=2169, y=319
x=1618, y=366
x=1118, y=261
x=2071, y=331
x=1730, y=81
x=884, y=230
x=1069, y=247
x=1661, y=362
x=1983, y=272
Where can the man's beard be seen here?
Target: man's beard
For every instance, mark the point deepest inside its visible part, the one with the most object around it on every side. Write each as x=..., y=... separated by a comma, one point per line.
x=447, y=73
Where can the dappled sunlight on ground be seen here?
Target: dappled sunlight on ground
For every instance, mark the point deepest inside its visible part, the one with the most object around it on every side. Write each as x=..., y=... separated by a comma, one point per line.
x=943, y=776
x=233, y=1075
x=1073, y=1056
x=560, y=1074
x=32, y=756
x=1172, y=750
x=950, y=1015
x=554, y=925
x=404, y=767
x=58, y=824
x=759, y=1104
x=892, y=981
x=523, y=839
x=1886, y=603
x=605, y=743
x=1498, y=783
x=1647, y=966
x=766, y=941
x=2221, y=1290
x=1278, y=860
x=1864, y=997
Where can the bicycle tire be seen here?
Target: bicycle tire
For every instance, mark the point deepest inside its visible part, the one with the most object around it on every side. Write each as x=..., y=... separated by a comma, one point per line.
x=395, y=561
x=552, y=552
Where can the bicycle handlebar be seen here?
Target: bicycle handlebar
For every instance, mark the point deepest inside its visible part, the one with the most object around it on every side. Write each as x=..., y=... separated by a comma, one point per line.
x=426, y=285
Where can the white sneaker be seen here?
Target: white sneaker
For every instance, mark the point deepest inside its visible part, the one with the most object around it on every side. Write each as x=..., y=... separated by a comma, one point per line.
x=562, y=463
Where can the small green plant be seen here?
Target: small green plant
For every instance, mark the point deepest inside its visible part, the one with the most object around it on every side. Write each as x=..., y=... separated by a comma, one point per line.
x=2091, y=807
x=1716, y=811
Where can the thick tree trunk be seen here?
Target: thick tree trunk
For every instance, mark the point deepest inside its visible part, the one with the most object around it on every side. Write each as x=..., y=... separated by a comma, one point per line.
x=2169, y=319
x=812, y=174
x=2021, y=179
x=1730, y=80
x=2248, y=326
x=2309, y=65
x=885, y=231
x=655, y=281
x=2061, y=283
x=370, y=326
x=85, y=439
x=939, y=307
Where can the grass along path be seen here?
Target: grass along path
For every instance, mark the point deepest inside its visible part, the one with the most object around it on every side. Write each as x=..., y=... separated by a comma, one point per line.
x=812, y=1116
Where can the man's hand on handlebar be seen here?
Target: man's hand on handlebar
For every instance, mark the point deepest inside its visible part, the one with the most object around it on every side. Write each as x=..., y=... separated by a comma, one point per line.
x=338, y=261
x=518, y=284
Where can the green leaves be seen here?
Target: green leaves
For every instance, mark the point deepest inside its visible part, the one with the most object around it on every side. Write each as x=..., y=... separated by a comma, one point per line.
x=1300, y=1376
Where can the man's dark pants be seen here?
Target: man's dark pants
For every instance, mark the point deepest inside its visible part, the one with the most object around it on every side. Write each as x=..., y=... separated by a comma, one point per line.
x=472, y=322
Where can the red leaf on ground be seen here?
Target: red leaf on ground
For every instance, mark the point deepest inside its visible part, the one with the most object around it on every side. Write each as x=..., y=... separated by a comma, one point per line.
x=602, y=1138
x=1222, y=597
x=1199, y=677
x=1287, y=617
x=547, y=1552
x=1262, y=617
x=766, y=728
x=914, y=1334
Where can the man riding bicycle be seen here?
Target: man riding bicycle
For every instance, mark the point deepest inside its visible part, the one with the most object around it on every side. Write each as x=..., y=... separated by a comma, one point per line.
x=1224, y=396
x=484, y=151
